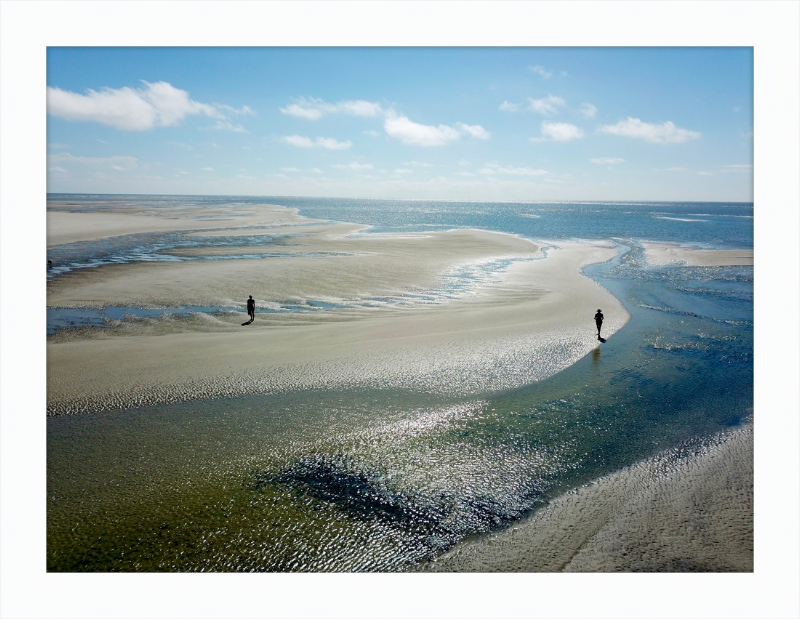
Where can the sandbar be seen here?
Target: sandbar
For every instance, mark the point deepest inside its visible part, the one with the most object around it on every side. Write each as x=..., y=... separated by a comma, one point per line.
x=531, y=319
x=65, y=226
x=689, y=509
x=660, y=254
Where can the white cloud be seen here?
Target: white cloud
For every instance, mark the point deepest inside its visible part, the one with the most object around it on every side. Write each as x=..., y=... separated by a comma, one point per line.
x=136, y=109
x=540, y=70
x=665, y=133
x=57, y=168
x=705, y=174
x=494, y=168
x=403, y=171
x=226, y=125
x=332, y=144
x=208, y=169
x=306, y=142
x=588, y=110
x=314, y=109
x=409, y=132
x=290, y=169
x=606, y=160
x=505, y=106
x=372, y=133
x=476, y=131
x=560, y=132
x=418, y=164
x=299, y=141
x=739, y=167
x=353, y=165
x=547, y=106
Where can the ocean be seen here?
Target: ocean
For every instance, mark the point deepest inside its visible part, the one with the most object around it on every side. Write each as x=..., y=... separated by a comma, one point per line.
x=377, y=478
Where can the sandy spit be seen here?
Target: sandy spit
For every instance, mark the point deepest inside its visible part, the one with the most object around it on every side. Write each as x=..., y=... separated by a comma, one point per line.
x=531, y=321
x=664, y=253
x=689, y=509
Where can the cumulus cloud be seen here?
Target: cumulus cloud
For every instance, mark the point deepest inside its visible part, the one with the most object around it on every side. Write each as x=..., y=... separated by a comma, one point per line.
x=409, y=132
x=559, y=132
x=314, y=109
x=494, y=168
x=588, y=110
x=540, y=70
x=665, y=133
x=506, y=106
x=159, y=104
x=403, y=171
x=549, y=105
x=606, y=160
x=476, y=131
x=306, y=142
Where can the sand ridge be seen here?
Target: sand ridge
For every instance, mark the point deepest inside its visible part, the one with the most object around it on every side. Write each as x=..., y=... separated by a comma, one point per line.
x=660, y=254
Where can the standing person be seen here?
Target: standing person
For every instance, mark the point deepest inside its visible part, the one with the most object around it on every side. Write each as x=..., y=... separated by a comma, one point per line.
x=598, y=320
x=251, y=308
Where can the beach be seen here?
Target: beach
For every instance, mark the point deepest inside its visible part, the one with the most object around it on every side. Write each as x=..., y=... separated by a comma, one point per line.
x=689, y=509
x=381, y=410
x=536, y=317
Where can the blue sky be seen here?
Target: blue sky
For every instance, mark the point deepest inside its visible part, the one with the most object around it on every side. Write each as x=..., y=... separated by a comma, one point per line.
x=522, y=123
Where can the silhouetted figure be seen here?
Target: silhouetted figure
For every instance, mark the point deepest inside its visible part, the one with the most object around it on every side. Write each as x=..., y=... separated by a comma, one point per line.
x=251, y=310
x=598, y=320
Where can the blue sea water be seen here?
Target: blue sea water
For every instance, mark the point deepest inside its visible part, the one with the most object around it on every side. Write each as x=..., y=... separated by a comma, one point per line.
x=379, y=480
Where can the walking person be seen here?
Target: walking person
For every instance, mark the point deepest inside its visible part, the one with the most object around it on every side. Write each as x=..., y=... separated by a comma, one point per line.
x=598, y=320
x=251, y=308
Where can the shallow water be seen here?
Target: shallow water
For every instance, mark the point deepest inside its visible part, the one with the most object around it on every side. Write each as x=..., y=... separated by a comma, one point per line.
x=378, y=480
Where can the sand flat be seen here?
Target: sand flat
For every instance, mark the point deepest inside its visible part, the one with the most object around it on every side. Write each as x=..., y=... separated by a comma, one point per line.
x=532, y=322
x=688, y=509
x=665, y=253
x=69, y=227
x=373, y=266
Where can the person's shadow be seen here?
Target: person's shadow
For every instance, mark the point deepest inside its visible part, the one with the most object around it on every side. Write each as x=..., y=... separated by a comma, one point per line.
x=248, y=322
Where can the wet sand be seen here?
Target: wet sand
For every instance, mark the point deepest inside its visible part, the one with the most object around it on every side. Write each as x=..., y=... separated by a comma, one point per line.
x=532, y=320
x=684, y=510
x=664, y=253
x=65, y=226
